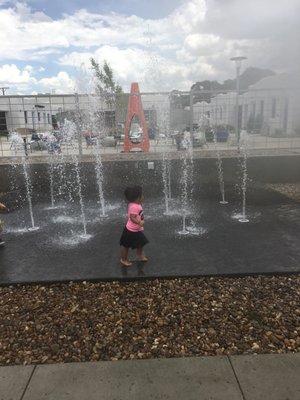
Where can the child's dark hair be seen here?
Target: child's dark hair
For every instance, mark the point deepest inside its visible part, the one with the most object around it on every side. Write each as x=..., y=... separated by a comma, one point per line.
x=133, y=193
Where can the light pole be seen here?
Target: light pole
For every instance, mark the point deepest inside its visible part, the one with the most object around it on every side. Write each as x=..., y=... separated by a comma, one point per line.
x=4, y=89
x=238, y=64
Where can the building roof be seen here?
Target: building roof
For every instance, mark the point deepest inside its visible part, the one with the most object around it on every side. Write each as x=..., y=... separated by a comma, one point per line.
x=278, y=81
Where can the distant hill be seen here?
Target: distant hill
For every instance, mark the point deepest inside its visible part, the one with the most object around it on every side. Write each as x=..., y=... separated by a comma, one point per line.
x=249, y=77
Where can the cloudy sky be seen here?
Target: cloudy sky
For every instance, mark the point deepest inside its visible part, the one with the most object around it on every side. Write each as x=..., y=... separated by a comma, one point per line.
x=163, y=44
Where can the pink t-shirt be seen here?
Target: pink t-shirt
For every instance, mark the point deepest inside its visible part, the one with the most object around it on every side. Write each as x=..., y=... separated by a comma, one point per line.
x=135, y=209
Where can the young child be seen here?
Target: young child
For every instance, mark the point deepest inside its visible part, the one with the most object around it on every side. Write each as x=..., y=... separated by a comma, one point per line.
x=2, y=208
x=133, y=234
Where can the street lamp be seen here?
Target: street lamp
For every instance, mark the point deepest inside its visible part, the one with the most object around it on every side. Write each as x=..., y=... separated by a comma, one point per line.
x=4, y=89
x=238, y=64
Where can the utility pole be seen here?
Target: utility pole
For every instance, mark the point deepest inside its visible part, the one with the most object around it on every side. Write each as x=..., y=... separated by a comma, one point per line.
x=238, y=64
x=4, y=89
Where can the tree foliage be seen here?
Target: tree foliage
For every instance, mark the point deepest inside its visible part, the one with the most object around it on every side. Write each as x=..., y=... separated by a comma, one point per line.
x=107, y=88
x=105, y=81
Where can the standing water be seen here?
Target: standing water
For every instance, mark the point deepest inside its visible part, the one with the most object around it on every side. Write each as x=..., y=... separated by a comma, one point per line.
x=220, y=171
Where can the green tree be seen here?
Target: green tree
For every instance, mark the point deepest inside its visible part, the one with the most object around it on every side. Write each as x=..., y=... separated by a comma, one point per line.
x=104, y=75
x=107, y=88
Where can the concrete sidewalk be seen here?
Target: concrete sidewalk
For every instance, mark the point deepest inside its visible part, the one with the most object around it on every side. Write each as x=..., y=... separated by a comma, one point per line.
x=266, y=377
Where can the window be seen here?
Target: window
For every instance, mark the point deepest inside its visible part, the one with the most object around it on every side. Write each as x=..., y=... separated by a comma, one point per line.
x=44, y=118
x=3, y=126
x=262, y=106
x=39, y=116
x=48, y=118
x=253, y=109
x=25, y=117
x=273, y=108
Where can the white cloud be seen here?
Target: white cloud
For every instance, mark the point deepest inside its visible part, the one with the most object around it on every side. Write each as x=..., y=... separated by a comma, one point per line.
x=23, y=80
x=61, y=83
x=192, y=43
x=10, y=74
x=25, y=34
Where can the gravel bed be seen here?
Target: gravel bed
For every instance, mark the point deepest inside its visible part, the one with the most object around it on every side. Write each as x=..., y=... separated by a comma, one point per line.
x=147, y=319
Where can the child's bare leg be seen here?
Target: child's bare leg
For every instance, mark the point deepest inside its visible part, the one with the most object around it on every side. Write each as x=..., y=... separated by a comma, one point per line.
x=124, y=257
x=140, y=254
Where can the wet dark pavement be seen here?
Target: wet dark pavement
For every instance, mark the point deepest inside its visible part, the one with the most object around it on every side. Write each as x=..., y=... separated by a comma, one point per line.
x=269, y=243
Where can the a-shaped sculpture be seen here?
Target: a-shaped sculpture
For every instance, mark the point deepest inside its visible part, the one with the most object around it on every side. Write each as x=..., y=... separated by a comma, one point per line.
x=136, y=131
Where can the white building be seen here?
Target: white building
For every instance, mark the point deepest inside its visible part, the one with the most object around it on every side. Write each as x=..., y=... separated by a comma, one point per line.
x=220, y=111
x=44, y=112
x=18, y=113
x=157, y=107
x=39, y=113
x=275, y=103
x=270, y=107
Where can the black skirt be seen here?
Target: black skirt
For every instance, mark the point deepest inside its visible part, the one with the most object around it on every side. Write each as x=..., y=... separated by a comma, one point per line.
x=133, y=240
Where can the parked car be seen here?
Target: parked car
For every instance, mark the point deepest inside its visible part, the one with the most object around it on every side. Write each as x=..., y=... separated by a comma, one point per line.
x=54, y=148
x=136, y=137
x=199, y=139
x=135, y=133
x=221, y=134
x=38, y=142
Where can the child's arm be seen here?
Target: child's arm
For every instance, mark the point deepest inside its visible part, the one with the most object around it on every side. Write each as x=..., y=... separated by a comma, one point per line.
x=3, y=207
x=136, y=219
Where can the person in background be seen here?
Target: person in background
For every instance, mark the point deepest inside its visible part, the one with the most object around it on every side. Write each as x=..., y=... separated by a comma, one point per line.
x=25, y=146
x=178, y=140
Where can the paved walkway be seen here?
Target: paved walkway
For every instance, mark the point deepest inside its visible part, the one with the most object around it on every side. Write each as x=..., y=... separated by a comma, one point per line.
x=262, y=377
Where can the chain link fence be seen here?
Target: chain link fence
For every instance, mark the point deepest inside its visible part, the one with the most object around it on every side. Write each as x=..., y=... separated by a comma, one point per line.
x=213, y=120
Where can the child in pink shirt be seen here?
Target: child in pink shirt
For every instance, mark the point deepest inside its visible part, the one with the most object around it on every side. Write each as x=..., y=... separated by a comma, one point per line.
x=133, y=234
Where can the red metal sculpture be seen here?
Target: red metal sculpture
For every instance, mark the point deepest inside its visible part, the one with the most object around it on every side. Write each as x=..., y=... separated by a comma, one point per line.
x=136, y=131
